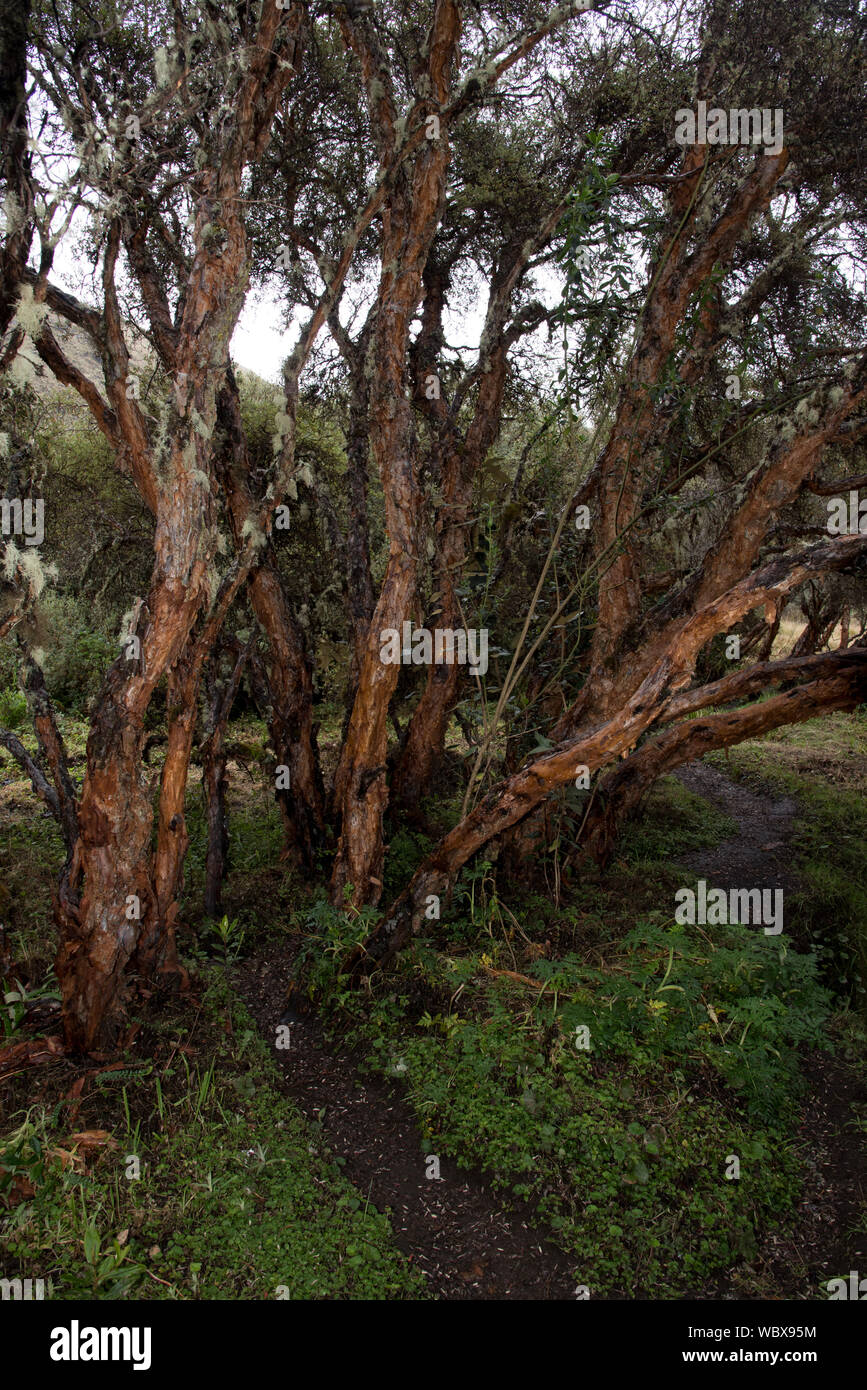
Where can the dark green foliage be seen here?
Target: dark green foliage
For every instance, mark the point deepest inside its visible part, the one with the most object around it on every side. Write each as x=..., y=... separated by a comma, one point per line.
x=238, y=1196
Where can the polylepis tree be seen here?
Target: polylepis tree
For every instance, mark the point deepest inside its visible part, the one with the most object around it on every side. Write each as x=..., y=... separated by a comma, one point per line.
x=412, y=107
x=429, y=421
x=505, y=214
x=372, y=163
x=151, y=124
x=735, y=227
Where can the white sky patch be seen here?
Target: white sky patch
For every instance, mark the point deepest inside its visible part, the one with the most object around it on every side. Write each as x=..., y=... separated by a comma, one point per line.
x=260, y=342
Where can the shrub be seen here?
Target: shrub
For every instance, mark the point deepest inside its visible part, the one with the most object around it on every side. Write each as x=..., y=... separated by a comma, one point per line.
x=13, y=709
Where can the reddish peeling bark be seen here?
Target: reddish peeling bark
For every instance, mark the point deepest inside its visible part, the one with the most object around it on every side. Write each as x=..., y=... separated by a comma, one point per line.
x=124, y=897
x=791, y=460
x=521, y=794
x=410, y=218
x=119, y=902
x=840, y=685
x=620, y=474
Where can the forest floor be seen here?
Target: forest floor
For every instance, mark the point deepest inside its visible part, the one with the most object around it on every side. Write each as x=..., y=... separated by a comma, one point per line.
x=831, y=1228
x=445, y=1137
x=468, y=1243
x=454, y=1229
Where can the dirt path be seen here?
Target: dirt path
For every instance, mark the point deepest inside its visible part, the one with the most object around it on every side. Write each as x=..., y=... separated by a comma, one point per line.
x=464, y=1239
x=759, y=855
x=826, y=1243
x=468, y=1242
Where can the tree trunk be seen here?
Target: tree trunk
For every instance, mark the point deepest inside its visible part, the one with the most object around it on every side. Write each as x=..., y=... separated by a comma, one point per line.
x=621, y=792
x=157, y=949
x=360, y=788
x=119, y=903
x=656, y=698
x=289, y=712
x=290, y=721
x=123, y=896
x=220, y=704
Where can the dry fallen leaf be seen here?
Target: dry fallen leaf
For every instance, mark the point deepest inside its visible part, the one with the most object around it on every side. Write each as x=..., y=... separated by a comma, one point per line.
x=33, y=1051
x=91, y=1140
x=67, y=1159
x=22, y=1190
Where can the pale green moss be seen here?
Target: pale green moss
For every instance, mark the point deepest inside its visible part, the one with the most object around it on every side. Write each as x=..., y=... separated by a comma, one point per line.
x=161, y=67
x=29, y=313
x=22, y=370
x=36, y=575
x=13, y=213
x=203, y=430
x=250, y=531
x=11, y=557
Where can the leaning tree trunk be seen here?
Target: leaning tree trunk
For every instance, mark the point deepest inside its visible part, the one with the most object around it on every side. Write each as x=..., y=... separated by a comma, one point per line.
x=621, y=792
x=657, y=699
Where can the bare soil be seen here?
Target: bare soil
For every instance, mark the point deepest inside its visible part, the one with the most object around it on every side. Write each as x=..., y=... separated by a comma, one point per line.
x=464, y=1238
